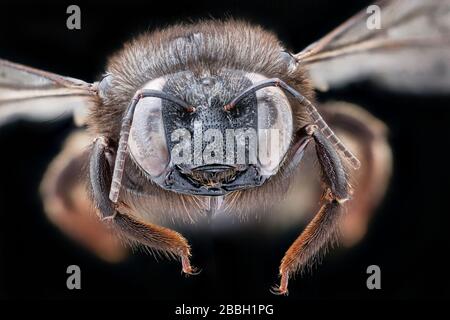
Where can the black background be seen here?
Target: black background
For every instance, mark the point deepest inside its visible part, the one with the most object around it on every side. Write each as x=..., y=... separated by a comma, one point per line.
x=408, y=237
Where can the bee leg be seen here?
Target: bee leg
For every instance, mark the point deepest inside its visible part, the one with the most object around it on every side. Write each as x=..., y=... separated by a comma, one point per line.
x=129, y=228
x=323, y=228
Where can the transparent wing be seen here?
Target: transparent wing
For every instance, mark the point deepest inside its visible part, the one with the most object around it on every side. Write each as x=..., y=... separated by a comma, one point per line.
x=27, y=93
x=410, y=52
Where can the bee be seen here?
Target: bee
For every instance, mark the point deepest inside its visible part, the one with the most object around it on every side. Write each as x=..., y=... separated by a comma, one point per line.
x=218, y=116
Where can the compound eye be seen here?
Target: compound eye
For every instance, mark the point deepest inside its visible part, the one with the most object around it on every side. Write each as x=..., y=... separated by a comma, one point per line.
x=275, y=127
x=147, y=141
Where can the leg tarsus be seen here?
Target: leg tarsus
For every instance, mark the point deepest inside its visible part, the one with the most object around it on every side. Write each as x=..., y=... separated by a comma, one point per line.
x=187, y=269
x=282, y=289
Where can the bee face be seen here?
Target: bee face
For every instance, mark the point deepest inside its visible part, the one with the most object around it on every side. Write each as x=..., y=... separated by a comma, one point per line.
x=211, y=150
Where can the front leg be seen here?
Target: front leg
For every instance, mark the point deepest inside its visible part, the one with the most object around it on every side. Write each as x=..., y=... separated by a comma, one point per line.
x=323, y=228
x=128, y=227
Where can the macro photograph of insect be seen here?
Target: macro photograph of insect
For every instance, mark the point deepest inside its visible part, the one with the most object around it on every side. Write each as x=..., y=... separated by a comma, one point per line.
x=226, y=151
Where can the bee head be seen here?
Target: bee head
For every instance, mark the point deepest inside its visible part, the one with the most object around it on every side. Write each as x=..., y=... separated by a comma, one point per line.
x=203, y=146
